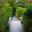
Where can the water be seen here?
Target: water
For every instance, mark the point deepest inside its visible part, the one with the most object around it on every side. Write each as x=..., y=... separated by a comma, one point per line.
x=15, y=25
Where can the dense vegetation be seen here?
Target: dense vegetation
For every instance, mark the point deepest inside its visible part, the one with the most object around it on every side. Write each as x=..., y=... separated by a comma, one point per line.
x=22, y=9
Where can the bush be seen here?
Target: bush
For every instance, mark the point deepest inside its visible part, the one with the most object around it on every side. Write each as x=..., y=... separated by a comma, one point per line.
x=20, y=11
x=5, y=13
x=28, y=18
x=29, y=11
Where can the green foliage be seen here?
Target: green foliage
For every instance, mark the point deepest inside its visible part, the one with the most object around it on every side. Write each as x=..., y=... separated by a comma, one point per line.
x=29, y=11
x=28, y=17
x=20, y=11
x=5, y=13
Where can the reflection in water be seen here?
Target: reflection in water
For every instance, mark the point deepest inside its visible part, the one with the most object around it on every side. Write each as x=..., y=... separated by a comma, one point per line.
x=15, y=25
